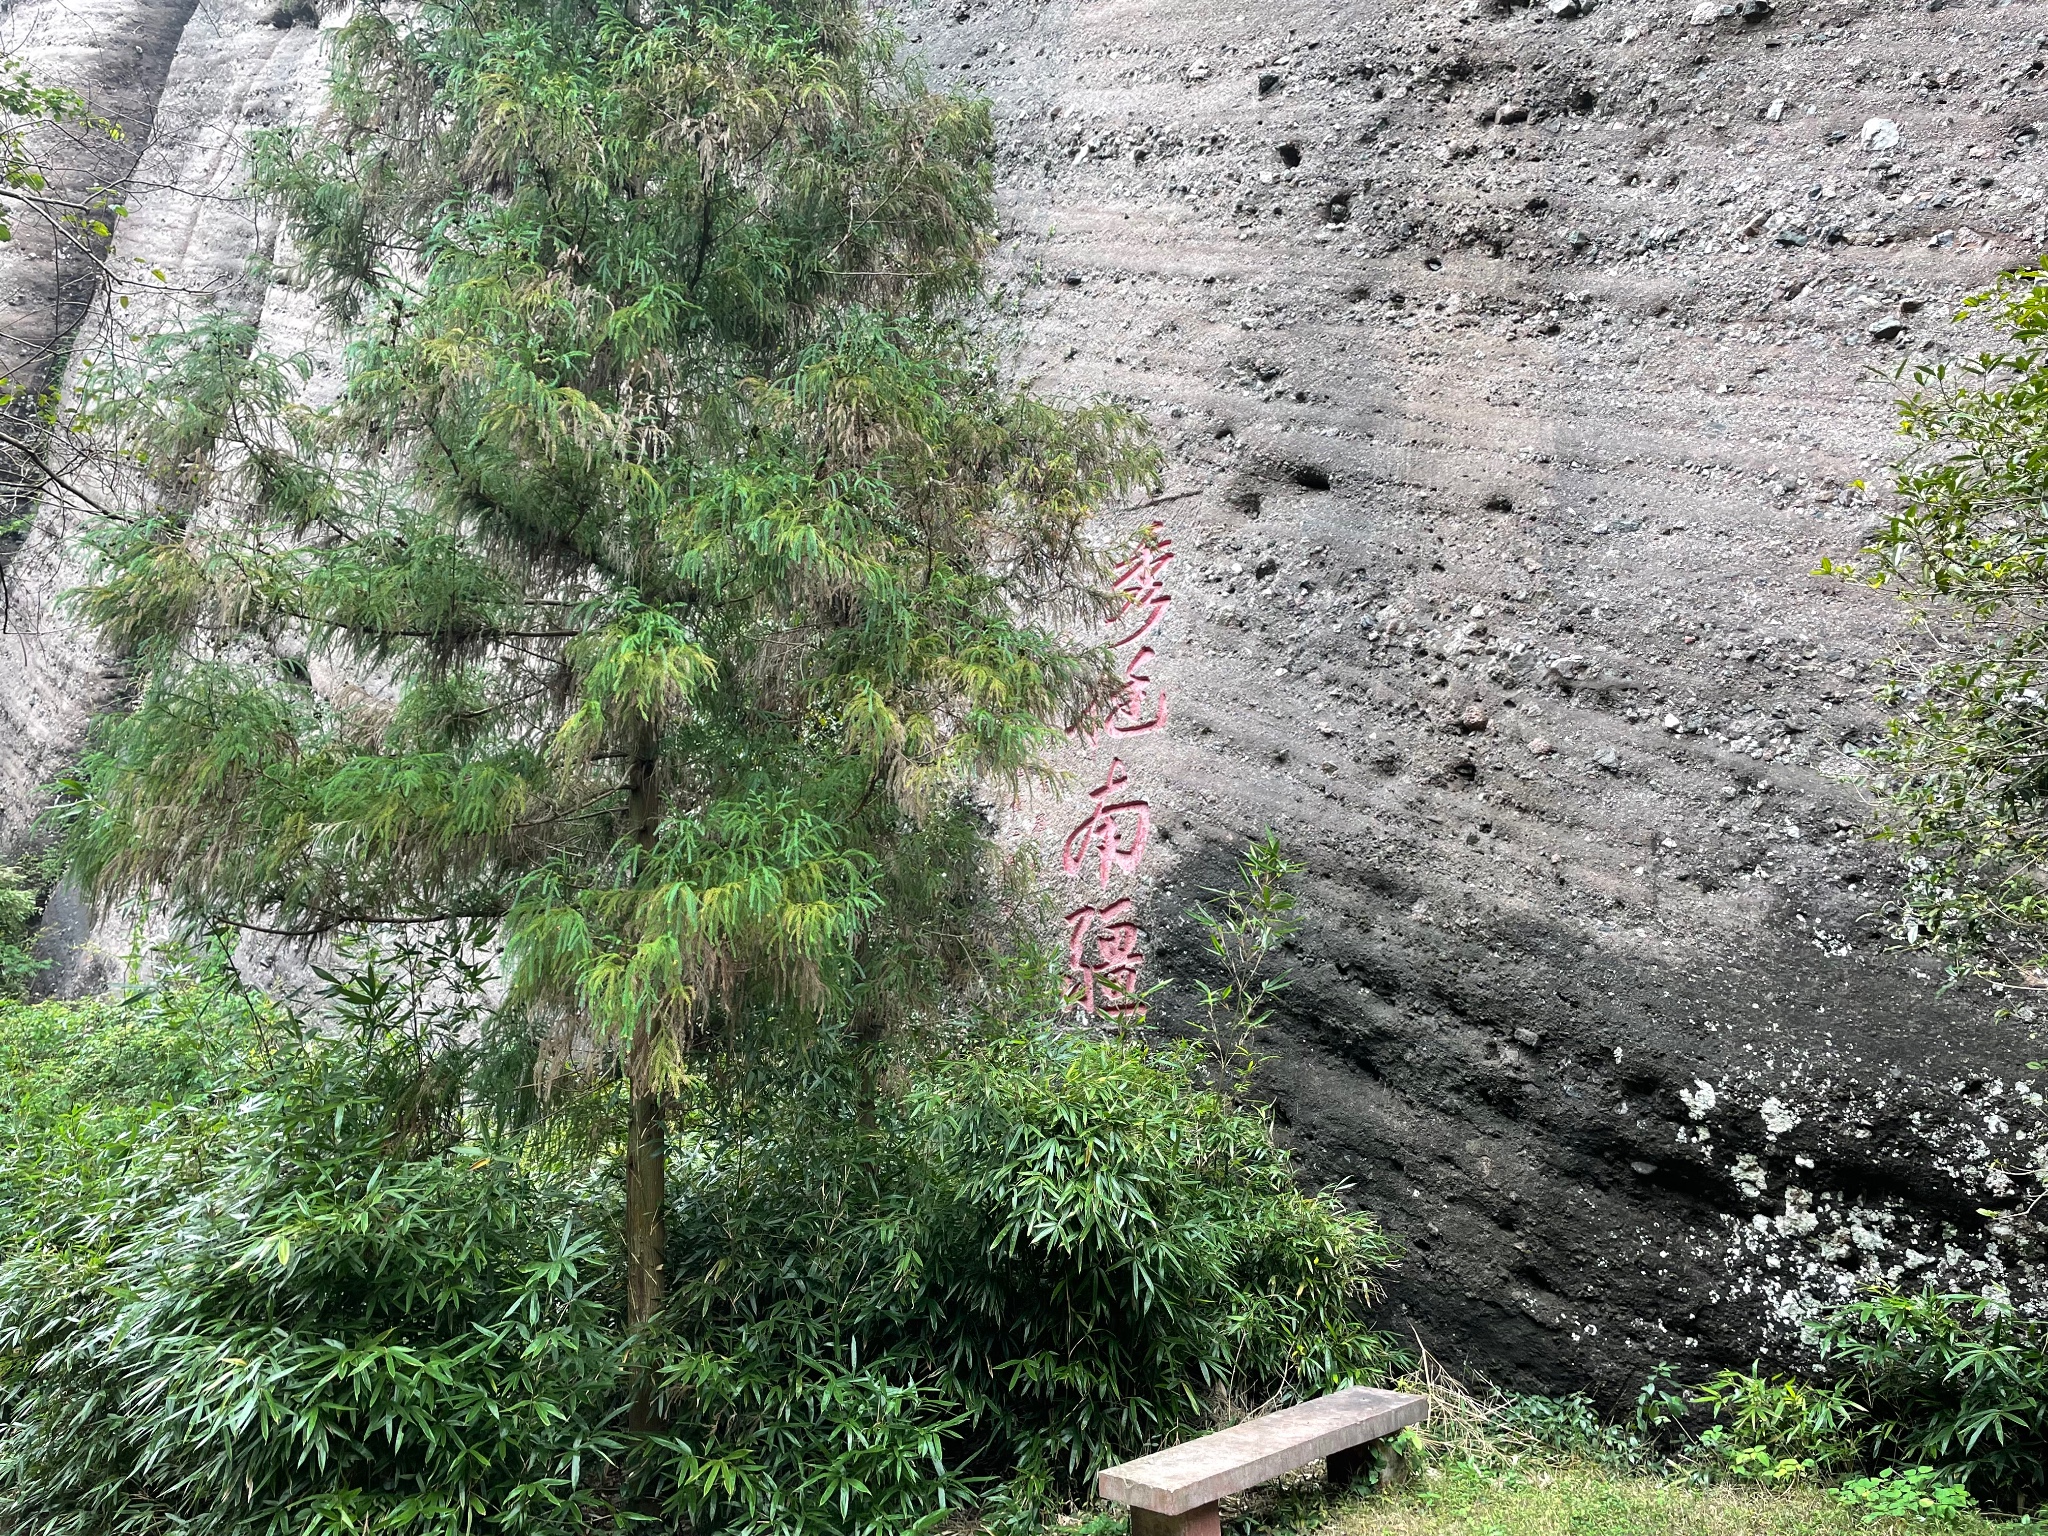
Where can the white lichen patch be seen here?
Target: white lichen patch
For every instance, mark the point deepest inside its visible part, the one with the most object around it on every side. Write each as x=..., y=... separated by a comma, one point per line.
x=1960, y=1148
x=1749, y=1176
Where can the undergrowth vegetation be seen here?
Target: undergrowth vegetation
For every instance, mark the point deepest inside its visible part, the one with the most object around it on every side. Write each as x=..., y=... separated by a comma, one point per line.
x=1496, y=1463
x=262, y=1278
x=18, y=911
x=1920, y=1406
x=1578, y=1499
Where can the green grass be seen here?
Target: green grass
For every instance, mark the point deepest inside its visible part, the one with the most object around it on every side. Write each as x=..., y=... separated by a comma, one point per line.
x=1541, y=1499
x=1461, y=1500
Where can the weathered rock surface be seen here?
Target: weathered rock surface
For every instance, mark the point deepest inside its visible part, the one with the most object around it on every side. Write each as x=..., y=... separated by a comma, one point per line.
x=191, y=243
x=114, y=55
x=1516, y=368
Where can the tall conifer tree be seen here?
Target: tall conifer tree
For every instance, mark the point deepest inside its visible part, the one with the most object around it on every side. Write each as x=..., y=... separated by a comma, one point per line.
x=671, y=563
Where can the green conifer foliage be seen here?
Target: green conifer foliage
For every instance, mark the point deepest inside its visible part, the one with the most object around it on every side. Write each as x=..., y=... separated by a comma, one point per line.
x=670, y=564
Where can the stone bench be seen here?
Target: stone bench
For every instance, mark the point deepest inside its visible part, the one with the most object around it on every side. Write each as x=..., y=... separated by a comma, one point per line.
x=1175, y=1492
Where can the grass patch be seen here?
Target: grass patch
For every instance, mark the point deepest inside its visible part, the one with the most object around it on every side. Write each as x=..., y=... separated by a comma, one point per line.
x=1591, y=1501
x=1498, y=1465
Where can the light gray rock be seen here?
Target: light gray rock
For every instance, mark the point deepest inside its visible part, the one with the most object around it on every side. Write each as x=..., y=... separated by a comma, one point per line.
x=231, y=72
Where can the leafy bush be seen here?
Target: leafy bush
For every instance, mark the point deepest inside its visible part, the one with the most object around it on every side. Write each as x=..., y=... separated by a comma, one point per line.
x=1908, y=1493
x=338, y=1299
x=1066, y=1244
x=1572, y=1428
x=1956, y=1381
x=278, y=1315
x=18, y=910
x=1776, y=1429
x=1961, y=771
x=161, y=1046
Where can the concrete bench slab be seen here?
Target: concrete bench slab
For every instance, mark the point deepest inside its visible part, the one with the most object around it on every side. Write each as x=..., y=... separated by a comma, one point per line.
x=1174, y=1492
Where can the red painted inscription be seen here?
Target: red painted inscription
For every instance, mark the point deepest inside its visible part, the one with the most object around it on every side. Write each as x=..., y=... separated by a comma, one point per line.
x=1107, y=980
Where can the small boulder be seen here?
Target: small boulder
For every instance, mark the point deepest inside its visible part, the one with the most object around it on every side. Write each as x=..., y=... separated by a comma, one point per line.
x=1880, y=135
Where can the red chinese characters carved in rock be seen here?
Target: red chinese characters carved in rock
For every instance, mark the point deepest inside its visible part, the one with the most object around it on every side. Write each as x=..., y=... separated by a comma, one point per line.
x=1115, y=830
x=1142, y=581
x=1107, y=980
x=1143, y=706
x=1139, y=710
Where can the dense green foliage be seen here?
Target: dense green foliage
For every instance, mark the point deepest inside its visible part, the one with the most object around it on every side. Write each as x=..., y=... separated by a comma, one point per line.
x=254, y=1316
x=1936, y=1396
x=1778, y=1428
x=18, y=912
x=99, y=1058
x=321, y=1292
x=1071, y=1242
x=1955, y=1381
x=700, y=555
x=1924, y=1495
x=1965, y=765
x=670, y=575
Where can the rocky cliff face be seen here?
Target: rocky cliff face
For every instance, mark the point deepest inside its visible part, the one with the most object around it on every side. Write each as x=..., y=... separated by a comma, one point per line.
x=1516, y=367
x=117, y=56
x=188, y=84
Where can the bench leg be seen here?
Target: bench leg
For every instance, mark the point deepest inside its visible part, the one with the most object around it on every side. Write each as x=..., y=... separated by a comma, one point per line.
x=1206, y=1521
x=1351, y=1467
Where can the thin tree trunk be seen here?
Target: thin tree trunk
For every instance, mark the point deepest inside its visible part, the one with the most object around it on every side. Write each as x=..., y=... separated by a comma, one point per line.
x=646, y=1216
x=646, y=1197
x=646, y=1142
